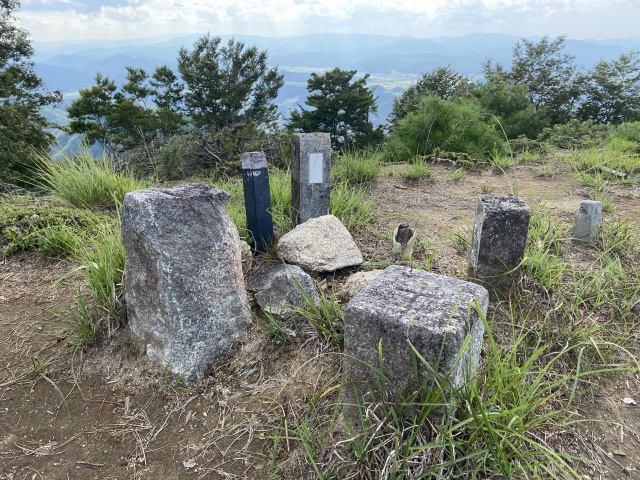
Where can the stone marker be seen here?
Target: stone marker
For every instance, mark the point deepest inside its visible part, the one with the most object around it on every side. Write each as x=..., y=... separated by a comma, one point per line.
x=278, y=287
x=404, y=237
x=257, y=199
x=184, y=286
x=587, y=224
x=433, y=312
x=310, y=176
x=499, y=239
x=320, y=244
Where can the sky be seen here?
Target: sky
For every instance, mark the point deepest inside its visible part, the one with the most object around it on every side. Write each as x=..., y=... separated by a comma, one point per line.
x=76, y=20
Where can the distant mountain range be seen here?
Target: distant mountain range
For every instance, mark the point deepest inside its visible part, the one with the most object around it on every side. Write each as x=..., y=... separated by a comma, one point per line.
x=393, y=62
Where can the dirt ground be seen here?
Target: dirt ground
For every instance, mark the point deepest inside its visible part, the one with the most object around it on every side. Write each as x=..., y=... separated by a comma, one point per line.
x=113, y=415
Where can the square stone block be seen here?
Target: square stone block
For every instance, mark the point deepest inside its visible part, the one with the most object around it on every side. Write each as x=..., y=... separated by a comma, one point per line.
x=402, y=306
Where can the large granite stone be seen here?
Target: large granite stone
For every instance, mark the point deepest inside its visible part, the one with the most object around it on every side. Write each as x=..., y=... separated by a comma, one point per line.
x=320, y=244
x=404, y=306
x=184, y=286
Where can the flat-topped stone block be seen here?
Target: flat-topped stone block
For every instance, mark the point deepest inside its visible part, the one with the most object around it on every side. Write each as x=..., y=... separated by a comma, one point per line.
x=402, y=305
x=499, y=239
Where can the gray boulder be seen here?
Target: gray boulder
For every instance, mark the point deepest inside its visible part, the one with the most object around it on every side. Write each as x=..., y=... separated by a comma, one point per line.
x=278, y=287
x=184, y=286
x=321, y=244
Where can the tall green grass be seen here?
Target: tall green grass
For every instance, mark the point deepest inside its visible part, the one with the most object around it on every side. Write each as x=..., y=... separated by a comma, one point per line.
x=356, y=168
x=101, y=264
x=494, y=427
x=85, y=182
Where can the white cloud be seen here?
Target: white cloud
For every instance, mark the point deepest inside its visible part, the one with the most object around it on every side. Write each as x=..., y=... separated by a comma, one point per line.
x=113, y=19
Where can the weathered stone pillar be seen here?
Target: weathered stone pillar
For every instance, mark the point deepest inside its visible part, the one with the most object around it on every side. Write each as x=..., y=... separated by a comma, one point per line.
x=184, y=286
x=310, y=176
x=498, y=242
x=434, y=313
x=587, y=224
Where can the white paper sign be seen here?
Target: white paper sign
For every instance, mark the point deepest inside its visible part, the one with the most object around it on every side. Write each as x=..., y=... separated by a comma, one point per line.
x=315, y=167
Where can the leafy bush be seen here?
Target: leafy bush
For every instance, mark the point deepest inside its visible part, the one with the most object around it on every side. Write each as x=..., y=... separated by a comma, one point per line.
x=457, y=125
x=524, y=144
x=23, y=227
x=575, y=134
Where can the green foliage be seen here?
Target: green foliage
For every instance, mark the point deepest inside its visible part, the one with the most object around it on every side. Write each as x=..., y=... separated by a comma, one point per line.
x=223, y=99
x=524, y=144
x=102, y=262
x=326, y=316
x=280, y=190
x=628, y=131
x=52, y=229
x=611, y=91
x=227, y=86
x=511, y=105
x=442, y=82
x=457, y=125
x=120, y=120
x=22, y=95
x=418, y=170
x=349, y=204
x=84, y=181
x=236, y=207
x=548, y=74
x=58, y=240
x=341, y=106
x=574, y=134
x=356, y=167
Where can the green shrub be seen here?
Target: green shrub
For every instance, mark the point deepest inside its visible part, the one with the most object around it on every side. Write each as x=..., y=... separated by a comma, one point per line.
x=457, y=125
x=85, y=182
x=523, y=144
x=23, y=227
x=575, y=134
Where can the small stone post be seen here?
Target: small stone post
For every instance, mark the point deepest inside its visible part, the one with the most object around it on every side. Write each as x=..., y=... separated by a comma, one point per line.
x=499, y=239
x=587, y=224
x=310, y=175
x=257, y=199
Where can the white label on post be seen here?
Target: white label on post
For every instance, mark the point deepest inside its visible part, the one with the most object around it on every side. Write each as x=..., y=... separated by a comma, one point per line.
x=315, y=167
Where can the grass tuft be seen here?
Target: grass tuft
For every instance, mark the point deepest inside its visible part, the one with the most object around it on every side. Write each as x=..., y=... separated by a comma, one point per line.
x=85, y=182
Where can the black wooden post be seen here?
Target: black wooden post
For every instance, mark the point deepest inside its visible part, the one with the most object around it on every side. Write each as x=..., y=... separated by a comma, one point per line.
x=257, y=199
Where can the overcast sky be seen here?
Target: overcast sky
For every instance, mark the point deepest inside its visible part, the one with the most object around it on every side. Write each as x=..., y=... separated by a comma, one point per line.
x=117, y=19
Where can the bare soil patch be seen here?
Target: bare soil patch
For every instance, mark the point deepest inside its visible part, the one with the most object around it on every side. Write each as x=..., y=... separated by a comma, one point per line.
x=116, y=416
